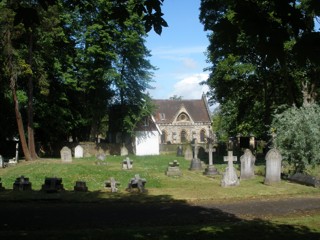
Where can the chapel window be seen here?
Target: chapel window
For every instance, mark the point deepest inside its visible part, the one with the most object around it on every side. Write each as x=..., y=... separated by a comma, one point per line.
x=164, y=137
x=202, y=135
x=183, y=136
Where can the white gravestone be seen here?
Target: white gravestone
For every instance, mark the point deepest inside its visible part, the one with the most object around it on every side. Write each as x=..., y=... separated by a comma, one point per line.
x=65, y=154
x=78, y=152
x=1, y=162
x=247, y=165
x=230, y=177
x=123, y=151
x=273, y=167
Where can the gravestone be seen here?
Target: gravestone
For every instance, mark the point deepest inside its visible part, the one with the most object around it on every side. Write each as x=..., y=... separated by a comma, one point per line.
x=230, y=177
x=127, y=163
x=179, y=151
x=210, y=170
x=101, y=157
x=22, y=184
x=305, y=179
x=174, y=169
x=247, y=165
x=78, y=151
x=123, y=151
x=80, y=186
x=112, y=184
x=66, y=156
x=273, y=167
x=1, y=162
x=137, y=183
x=52, y=185
x=188, y=153
x=195, y=162
x=1, y=187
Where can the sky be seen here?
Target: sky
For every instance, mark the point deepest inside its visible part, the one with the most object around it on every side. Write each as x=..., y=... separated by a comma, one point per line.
x=179, y=52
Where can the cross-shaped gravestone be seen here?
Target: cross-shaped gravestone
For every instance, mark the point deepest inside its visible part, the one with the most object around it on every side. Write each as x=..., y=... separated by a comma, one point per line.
x=230, y=177
x=230, y=159
x=195, y=147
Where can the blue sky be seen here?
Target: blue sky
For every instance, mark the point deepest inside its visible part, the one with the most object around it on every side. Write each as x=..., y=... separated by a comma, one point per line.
x=179, y=52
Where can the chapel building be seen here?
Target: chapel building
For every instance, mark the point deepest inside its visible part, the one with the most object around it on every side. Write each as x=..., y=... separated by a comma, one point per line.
x=181, y=121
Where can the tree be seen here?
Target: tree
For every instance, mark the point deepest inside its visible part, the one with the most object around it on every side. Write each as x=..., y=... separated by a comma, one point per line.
x=257, y=58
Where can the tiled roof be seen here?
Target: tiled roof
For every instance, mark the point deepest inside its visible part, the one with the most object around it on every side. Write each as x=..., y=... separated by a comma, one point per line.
x=197, y=108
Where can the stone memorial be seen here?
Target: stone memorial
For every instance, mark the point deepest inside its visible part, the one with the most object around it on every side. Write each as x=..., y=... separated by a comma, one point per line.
x=188, y=153
x=22, y=184
x=273, y=167
x=78, y=151
x=137, y=183
x=52, y=185
x=210, y=170
x=195, y=162
x=179, y=151
x=305, y=179
x=112, y=184
x=1, y=187
x=247, y=161
x=174, y=169
x=81, y=186
x=127, y=164
x=1, y=162
x=101, y=157
x=66, y=156
x=230, y=177
x=123, y=151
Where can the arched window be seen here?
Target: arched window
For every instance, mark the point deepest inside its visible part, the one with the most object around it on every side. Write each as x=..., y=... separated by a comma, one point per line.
x=164, y=137
x=183, y=136
x=202, y=135
x=183, y=117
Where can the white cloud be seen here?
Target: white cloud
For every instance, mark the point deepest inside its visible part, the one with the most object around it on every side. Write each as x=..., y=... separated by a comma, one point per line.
x=189, y=87
x=182, y=51
x=189, y=63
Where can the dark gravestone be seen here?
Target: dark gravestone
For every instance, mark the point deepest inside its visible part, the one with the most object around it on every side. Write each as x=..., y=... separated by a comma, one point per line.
x=52, y=185
x=80, y=186
x=1, y=187
x=305, y=179
x=22, y=184
x=180, y=151
x=137, y=183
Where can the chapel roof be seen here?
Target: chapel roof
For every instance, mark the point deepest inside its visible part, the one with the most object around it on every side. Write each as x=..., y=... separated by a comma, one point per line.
x=166, y=110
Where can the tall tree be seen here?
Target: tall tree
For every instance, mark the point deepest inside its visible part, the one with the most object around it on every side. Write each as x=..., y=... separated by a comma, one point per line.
x=255, y=51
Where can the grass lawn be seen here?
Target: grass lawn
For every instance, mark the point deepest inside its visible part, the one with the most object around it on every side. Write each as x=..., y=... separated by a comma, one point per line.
x=191, y=187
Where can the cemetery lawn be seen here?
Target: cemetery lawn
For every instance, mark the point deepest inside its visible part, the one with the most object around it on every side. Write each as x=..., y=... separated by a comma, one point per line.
x=192, y=206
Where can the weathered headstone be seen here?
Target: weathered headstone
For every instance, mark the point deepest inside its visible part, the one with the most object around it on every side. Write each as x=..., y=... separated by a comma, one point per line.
x=1, y=187
x=230, y=177
x=273, y=167
x=101, y=157
x=174, y=169
x=210, y=170
x=179, y=151
x=305, y=179
x=123, y=151
x=22, y=184
x=127, y=163
x=247, y=165
x=195, y=162
x=66, y=156
x=112, y=184
x=188, y=153
x=80, y=186
x=1, y=162
x=52, y=185
x=137, y=183
x=78, y=151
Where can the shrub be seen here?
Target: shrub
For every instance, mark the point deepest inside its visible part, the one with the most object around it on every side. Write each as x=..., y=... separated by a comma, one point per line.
x=298, y=136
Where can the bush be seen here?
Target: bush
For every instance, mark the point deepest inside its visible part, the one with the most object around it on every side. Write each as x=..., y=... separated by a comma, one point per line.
x=298, y=136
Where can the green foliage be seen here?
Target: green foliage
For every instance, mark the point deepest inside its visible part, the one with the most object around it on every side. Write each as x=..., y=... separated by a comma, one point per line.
x=259, y=50
x=298, y=136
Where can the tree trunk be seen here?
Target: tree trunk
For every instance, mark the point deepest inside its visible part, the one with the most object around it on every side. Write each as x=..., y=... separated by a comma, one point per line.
x=23, y=140
x=31, y=142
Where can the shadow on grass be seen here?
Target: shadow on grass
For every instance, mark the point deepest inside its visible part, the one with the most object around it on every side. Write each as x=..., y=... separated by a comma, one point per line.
x=101, y=215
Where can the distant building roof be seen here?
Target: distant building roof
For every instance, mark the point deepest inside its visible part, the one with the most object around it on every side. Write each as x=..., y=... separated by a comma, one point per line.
x=167, y=110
